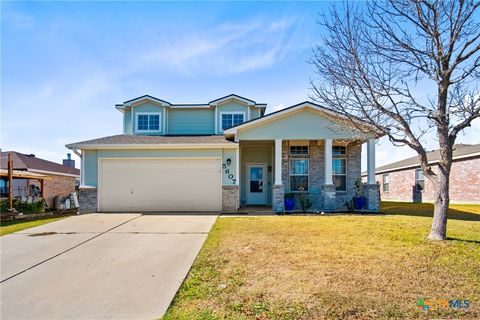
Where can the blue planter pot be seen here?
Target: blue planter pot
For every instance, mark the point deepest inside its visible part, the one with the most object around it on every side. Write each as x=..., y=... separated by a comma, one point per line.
x=289, y=204
x=359, y=202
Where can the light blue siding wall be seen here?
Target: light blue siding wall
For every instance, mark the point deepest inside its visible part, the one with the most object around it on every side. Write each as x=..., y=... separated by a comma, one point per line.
x=191, y=121
x=302, y=125
x=127, y=122
x=92, y=157
x=186, y=121
x=229, y=174
x=254, y=113
x=90, y=167
x=149, y=107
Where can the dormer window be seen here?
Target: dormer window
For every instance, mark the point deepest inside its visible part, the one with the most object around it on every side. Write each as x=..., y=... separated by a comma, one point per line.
x=148, y=122
x=231, y=119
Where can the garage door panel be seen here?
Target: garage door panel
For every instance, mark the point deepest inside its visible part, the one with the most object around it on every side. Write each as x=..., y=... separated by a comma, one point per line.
x=135, y=185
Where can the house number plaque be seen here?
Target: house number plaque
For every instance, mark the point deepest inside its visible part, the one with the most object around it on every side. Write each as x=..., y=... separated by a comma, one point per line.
x=226, y=170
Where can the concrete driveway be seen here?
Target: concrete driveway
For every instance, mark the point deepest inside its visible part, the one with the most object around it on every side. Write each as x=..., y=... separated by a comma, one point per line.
x=99, y=266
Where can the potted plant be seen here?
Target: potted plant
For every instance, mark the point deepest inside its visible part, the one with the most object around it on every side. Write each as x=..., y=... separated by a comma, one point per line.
x=305, y=201
x=358, y=199
x=289, y=201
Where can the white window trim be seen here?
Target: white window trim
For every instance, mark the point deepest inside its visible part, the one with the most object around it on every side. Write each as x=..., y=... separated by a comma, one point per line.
x=297, y=155
x=220, y=124
x=341, y=174
x=416, y=180
x=290, y=174
x=148, y=114
x=385, y=175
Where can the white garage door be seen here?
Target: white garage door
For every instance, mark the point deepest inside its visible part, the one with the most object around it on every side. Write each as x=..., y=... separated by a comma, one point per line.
x=138, y=185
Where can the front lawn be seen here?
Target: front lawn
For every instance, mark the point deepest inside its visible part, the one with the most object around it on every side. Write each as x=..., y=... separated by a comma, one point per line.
x=331, y=267
x=11, y=226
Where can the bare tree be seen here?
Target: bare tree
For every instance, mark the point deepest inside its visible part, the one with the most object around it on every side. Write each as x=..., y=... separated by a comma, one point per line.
x=409, y=68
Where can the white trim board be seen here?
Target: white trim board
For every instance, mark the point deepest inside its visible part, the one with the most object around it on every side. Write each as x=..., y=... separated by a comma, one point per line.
x=158, y=146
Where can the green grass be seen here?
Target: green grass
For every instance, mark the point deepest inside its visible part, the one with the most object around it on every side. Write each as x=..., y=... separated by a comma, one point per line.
x=456, y=211
x=7, y=227
x=333, y=267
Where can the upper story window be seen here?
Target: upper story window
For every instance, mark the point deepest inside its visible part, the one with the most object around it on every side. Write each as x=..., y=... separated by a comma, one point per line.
x=298, y=150
x=386, y=182
x=419, y=180
x=230, y=119
x=148, y=122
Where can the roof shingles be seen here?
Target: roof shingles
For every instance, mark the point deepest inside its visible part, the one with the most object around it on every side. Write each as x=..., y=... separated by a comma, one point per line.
x=459, y=150
x=127, y=139
x=31, y=163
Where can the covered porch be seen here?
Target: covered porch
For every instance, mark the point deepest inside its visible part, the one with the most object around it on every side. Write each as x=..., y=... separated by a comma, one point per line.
x=322, y=173
x=308, y=153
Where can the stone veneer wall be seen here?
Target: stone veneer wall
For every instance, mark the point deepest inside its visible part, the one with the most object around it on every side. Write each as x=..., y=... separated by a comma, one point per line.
x=88, y=199
x=278, y=198
x=230, y=198
x=372, y=193
x=323, y=197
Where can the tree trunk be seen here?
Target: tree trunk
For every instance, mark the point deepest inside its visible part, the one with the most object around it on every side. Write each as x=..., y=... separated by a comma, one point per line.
x=442, y=200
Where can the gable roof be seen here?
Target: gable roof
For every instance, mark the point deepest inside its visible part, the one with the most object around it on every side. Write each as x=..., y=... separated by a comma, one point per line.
x=460, y=151
x=306, y=104
x=129, y=103
x=146, y=97
x=235, y=97
x=128, y=141
x=31, y=163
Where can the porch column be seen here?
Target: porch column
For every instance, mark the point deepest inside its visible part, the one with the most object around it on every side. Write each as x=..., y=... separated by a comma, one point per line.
x=278, y=191
x=371, y=161
x=372, y=189
x=278, y=162
x=329, y=194
x=328, y=161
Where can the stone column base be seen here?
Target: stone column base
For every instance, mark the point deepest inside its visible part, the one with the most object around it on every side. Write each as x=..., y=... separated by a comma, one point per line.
x=372, y=193
x=88, y=199
x=278, y=196
x=230, y=198
x=329, y=197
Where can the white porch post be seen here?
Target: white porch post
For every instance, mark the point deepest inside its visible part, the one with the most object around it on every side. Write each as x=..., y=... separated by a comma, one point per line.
x=371, y=161
x=278, y=162
x=328, y=161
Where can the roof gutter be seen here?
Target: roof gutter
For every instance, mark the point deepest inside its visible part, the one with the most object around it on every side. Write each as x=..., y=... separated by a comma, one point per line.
x=154, y=146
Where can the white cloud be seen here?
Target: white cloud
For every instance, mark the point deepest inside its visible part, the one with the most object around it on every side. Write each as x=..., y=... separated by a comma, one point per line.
x=222, y=50
x=18, y=20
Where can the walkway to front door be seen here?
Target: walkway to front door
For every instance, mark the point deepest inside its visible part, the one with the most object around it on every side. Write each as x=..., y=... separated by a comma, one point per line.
x=256, y=184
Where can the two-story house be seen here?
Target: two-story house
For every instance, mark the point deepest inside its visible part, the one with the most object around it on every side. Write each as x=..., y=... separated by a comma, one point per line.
x=222, y=155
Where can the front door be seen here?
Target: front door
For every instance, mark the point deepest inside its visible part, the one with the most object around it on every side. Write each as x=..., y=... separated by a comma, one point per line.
x=256, y=184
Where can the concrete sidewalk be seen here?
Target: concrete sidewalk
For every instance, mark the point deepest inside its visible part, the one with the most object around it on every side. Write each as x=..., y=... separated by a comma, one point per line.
x=99, y=266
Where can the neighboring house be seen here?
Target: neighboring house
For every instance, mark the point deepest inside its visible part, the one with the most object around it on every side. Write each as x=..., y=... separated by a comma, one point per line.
x=404, y=180
x=222, y=155
x=61, y=178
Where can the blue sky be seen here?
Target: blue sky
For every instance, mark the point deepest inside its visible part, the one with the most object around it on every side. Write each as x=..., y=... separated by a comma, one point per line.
x=65, y=64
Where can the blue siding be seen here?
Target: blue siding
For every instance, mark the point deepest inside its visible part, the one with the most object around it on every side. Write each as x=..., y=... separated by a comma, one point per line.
x=191, y=121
